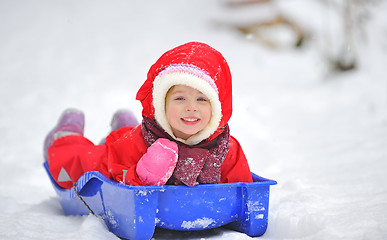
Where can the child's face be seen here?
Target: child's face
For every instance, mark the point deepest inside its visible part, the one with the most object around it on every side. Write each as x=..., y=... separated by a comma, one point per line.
x=187, y=110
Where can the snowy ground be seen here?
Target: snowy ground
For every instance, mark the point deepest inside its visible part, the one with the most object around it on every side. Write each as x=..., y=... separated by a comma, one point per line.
x=322, y=136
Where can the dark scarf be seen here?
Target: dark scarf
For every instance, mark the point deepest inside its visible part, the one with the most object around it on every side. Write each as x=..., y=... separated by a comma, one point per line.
x=196, y=164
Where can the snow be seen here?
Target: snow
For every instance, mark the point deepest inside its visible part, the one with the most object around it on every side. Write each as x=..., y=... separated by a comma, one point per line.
x=201, y=222
x=322, y=135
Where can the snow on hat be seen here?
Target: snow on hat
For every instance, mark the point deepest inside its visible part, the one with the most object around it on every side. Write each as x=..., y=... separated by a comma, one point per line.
x=191, y=76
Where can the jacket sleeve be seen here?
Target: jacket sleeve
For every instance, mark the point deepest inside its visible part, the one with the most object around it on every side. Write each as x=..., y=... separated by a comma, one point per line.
x=235, y=167
x=125, y=147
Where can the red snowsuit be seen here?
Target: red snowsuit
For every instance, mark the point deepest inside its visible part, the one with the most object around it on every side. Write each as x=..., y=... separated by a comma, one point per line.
x=118, y=157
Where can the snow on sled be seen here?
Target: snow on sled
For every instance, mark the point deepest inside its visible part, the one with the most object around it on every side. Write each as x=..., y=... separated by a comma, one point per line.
x=133, y=212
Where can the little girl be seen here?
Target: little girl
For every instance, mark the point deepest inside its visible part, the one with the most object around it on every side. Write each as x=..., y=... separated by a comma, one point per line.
x=184, y=137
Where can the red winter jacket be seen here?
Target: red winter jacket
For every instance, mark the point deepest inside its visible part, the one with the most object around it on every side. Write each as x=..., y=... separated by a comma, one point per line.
x=118, y=157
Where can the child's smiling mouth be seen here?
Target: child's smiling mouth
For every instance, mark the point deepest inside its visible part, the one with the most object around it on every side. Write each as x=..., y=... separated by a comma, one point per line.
x=190, y=120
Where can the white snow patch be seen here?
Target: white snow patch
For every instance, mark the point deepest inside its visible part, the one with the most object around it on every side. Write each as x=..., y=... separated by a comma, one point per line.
x=109, y=217
x=143, y=193
x=254, y=206
x=198, y=223
x=259, y=216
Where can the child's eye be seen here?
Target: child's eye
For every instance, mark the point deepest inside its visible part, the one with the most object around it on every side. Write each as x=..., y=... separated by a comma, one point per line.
x=202, y=99
x=179, y=98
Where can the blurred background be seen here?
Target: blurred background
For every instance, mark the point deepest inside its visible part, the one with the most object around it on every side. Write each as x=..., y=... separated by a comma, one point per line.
x=309, y=88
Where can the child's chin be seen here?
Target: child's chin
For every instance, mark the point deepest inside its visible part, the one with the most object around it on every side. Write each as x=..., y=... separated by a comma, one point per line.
x=186, y=135
x=190, y=134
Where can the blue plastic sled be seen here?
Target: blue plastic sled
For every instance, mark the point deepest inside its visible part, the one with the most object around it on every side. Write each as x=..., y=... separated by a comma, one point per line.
x=133, y=212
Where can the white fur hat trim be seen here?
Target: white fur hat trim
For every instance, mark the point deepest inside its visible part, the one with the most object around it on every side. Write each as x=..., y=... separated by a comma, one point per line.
x=193, y=77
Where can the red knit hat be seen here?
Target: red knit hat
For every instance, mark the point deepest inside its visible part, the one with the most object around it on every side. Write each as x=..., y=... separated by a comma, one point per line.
x=196, y=65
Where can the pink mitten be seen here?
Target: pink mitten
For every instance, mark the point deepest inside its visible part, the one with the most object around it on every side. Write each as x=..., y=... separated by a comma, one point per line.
x=156, y=166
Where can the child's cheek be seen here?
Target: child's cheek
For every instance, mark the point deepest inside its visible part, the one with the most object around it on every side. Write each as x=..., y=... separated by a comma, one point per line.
x=172, y=116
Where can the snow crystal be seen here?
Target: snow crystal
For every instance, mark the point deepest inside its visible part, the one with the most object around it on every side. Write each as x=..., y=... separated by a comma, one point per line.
x=140, y=219
x=110, y=218
x=254, y=206
x=259, y=216
x=143, y=193
x=198, y=223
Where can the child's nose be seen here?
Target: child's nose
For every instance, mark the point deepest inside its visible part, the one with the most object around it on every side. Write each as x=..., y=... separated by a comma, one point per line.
x=191, y=107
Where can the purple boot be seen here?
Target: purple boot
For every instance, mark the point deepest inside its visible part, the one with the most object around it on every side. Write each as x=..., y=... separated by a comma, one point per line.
x=123, y=118
x=71, y=122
